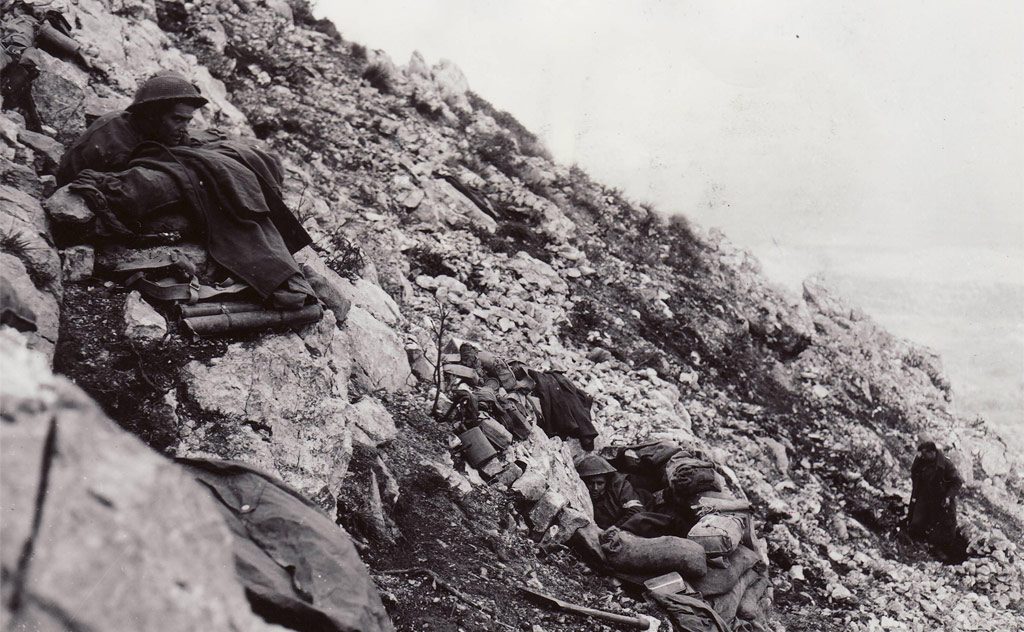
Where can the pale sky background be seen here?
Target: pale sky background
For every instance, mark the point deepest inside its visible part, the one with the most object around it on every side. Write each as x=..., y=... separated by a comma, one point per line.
x=871, y=141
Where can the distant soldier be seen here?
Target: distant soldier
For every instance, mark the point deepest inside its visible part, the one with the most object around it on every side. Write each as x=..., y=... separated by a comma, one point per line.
x=936, y=482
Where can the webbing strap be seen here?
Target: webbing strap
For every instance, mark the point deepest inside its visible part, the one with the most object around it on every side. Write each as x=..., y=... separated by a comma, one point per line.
x=170, y=290
x=149, y=263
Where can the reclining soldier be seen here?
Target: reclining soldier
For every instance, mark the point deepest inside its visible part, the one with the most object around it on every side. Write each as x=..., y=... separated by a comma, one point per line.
x=618, y=504
x=161, y=112
x=132, y=166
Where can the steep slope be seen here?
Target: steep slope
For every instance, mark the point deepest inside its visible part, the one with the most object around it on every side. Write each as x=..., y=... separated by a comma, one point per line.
x=456, y=210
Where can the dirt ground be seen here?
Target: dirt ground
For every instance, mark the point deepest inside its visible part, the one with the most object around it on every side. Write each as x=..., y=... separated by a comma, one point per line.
x=475, y=544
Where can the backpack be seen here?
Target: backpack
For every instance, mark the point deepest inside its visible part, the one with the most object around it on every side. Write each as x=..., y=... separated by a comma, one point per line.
x=689, y=614
x=687, y=476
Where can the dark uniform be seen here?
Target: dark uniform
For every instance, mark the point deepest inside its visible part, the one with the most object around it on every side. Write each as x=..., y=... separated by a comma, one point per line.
x=618, y=503
x=933, y=499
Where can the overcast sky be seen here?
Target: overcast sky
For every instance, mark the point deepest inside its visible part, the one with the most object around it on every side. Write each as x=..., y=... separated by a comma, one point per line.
x=868, y=140
x=818, y=133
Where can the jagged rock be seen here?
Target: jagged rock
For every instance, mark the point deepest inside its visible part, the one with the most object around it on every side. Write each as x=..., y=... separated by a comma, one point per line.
x=550, y=460
x=69, y=212
x=446, y=203
x=530, y=486
x=42, y=304
x=23, y=219
x=778, y=454
x=142, y=323
x=445, y=471
x=22, y=178
x=77, y=263
x=451, y=85
x=114, y=516
x=993, y=460
x=543, y=513
x=565, y=526
x=59, y=92
x=377, y=353
x=10, y=124
x=45, y=146
x=535, y=273
x=372, y=424
x=419, y=364
x=275, y=405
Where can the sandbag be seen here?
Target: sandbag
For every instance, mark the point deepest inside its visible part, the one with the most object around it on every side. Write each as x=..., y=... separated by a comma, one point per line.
x=727, y=604
x=627, y=552
x=750, y=602
x=718, y=581
x=719, y=534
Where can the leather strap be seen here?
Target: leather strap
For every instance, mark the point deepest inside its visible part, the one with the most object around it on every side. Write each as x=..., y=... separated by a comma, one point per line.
x=170, y=290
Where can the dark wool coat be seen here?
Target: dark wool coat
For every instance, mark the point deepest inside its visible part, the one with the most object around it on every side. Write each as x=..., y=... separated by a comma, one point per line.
x=565, y=409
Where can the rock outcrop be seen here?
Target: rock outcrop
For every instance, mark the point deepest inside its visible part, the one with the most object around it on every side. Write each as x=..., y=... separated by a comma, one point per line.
x=459, y=213
x=99, y=532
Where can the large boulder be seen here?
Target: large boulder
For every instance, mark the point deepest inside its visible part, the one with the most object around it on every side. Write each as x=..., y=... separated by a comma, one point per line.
x=23, y=220
x=451, y=84
x=372, y=424
x=59, y=93
x=341, y=293
x=378, y=354
x=99, y=532
x=276, y=405
x=550, y=460
x=21, y=293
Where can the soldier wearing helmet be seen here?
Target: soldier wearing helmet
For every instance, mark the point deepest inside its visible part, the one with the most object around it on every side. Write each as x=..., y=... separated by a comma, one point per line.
x=615, y=500
x=161, y=112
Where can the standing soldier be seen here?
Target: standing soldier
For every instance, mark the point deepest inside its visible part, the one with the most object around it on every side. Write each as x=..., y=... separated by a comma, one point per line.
x=933, y=499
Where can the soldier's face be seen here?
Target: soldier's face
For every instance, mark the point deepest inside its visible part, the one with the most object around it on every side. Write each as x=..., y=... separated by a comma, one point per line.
x=172, y=125
x=928, y=455
x=595, y=485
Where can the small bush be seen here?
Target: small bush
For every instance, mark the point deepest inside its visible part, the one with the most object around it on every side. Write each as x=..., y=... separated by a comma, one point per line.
x=14, y=242
x=342, y=255
x=358, y=51
x=501, y=151
x=528, y=142
x=378, y=76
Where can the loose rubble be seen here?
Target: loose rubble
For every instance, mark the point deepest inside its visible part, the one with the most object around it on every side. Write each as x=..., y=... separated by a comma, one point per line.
x=811, y=405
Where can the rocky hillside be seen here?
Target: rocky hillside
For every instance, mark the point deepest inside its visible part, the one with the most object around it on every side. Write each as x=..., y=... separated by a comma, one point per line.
x=427, y=203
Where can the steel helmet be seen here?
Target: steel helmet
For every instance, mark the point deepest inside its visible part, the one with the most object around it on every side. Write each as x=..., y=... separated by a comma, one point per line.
x=167, y=87
x=593, y=465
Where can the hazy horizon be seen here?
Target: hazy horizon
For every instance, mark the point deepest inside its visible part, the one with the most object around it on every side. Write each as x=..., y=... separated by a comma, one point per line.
x=872, y=142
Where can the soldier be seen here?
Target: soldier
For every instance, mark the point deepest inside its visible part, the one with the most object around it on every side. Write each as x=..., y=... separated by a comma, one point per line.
x=615, y=500
x=161, y=111
x=936, y=482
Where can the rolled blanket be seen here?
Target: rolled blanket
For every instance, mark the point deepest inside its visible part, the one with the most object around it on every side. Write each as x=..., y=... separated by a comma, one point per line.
x=718, y=581
x=627, y=552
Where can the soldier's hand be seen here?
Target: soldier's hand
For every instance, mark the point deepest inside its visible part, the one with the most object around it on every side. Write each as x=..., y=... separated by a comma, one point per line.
x=945, y=501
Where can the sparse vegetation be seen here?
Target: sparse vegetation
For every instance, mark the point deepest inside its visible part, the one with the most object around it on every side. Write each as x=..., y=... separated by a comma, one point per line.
x=529, y=144
x=342, y=255
x=378, y=76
